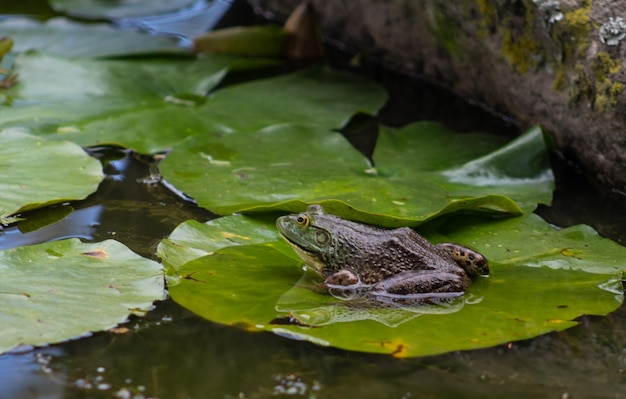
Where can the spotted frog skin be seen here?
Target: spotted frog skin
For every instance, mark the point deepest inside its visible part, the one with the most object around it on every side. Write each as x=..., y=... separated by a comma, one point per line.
x=397, y=262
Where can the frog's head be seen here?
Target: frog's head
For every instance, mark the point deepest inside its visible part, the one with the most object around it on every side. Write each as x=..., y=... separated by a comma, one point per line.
x=310, y=234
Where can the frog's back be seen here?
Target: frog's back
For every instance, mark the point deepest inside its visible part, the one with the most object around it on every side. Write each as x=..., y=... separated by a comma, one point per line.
x=375, y=254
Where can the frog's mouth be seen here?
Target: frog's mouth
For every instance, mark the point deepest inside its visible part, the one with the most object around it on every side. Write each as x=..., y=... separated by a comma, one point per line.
x=312, y=259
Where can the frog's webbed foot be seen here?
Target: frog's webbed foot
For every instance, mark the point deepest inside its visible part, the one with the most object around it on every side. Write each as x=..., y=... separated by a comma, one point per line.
x=471, y=261
x=414, y=282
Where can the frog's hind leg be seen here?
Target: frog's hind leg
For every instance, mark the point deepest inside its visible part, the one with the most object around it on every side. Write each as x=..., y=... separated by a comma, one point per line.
x=471, y=261
x=421, y=282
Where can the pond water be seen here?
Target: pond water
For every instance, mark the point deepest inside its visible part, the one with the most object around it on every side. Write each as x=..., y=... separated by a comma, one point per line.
x=171, y=353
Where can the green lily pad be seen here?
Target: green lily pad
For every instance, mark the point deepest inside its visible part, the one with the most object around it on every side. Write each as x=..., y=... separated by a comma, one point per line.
x=192, y=239
x=66, y=289
x=61, y=36
x=422, y=171
x=148, y=105
x=60, y=95
x=35, y=172
x=98, y=9
x=297, y=98
x=542, y=279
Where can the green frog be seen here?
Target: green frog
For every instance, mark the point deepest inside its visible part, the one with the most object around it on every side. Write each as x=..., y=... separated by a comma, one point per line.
x=397, y=262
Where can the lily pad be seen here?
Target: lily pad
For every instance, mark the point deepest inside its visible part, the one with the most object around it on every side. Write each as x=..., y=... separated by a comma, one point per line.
x=192, y=239
x=297, y=98
x=422, y=171
x=148, y=105
x=66, y=289
x=35, y=172
x=542, y=279
x=60, y=95
x=98, y=9
x=61, y=36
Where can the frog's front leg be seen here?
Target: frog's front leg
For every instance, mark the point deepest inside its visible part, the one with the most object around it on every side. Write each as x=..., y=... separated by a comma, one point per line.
x=472, y=262
x=422, y=282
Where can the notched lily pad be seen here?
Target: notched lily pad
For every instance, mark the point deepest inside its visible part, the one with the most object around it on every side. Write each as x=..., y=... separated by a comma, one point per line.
x=67, y=289
x=542, y=280
x=150, y=104
x=35, y=172
x=417, y=176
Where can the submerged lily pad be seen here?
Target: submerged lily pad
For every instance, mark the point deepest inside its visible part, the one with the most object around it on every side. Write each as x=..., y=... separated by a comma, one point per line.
x=418, y=173
x=36, y=172
x=61, y=36
x=66, y=289
x=98, y=9
x=542, y=279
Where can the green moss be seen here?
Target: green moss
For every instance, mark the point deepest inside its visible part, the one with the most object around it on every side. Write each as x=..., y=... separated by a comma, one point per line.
x=573, y=32
x=519, y=45
x=445, y=30
x=521, y=53
x=559, y=81
x=603, y=66
x=488, y=13
x=583, y=87
x=598, y=87
x=607, y=91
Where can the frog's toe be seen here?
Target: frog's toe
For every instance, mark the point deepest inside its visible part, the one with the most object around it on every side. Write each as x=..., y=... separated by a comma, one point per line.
x=472, y=262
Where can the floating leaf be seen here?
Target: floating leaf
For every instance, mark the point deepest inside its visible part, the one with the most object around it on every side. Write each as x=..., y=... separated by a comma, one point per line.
x=416, y=177
x=542, y=279
x=192, y=239
x=66, y=289
x=36, y=172
x=64, y=37
x=61, y=95
x=148, y=105
x=98, y=9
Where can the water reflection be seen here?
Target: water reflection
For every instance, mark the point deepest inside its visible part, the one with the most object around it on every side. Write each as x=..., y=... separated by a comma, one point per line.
x=358, y=303
x=80, y=223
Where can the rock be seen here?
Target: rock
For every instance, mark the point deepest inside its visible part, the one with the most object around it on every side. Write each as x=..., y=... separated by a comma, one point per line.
x=556, y=63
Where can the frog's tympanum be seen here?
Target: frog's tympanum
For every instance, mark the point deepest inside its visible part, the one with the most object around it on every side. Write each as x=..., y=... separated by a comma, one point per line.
x=397, y=262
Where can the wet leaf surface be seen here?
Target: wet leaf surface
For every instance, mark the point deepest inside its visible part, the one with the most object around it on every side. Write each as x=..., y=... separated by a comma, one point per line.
x=66, y=289
x=536, y=286
x=420, y=173
x=31, y=172
x=150, y=104
x=63, y=37
x=97, y=9
x=65, y=98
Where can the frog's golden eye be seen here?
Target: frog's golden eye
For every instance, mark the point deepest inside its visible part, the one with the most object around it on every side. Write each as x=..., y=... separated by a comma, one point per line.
x=302, y=221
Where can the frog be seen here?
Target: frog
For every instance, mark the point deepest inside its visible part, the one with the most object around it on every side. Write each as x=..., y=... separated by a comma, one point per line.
x=396, y=262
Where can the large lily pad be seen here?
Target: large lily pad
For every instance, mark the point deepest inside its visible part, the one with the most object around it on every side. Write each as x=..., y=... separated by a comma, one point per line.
x=66, y=289
x=64, y=37
x=36, y=172
x=148, y=105
x=422, y=171
x=542, y=279
x=61, y=95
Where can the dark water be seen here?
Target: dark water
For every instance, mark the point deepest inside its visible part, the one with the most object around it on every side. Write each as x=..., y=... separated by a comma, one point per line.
x=173, y=354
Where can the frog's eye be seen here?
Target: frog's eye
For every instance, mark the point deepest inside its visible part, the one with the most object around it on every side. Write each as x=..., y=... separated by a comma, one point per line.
x=302, y=221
